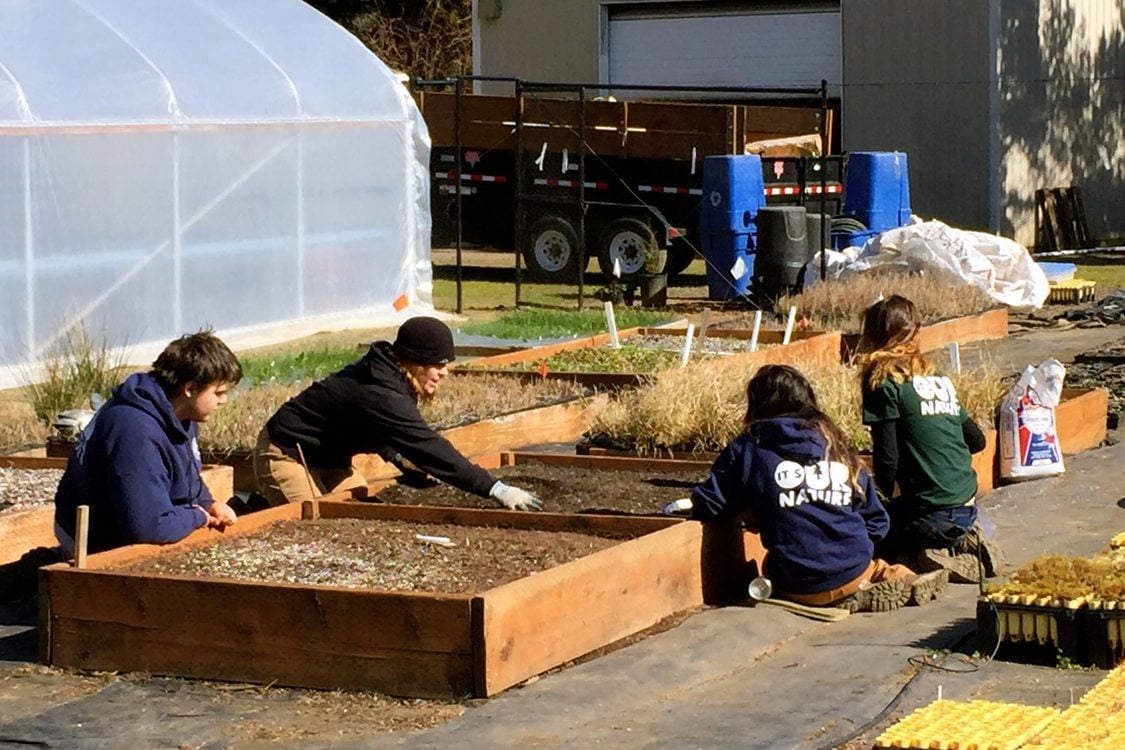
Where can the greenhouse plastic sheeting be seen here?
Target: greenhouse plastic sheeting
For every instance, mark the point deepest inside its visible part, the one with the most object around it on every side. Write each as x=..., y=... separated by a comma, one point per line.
x=200, y=163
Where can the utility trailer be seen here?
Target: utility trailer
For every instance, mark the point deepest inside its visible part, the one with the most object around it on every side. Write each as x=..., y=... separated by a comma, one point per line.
x=626, y=175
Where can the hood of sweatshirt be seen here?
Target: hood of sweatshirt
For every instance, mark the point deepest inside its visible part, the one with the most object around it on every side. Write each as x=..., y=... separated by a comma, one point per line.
x=141, y=391
x=793, y=439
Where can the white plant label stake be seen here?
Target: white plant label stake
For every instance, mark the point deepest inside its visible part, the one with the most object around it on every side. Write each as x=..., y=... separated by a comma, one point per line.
x=955, y=357
x=756, y=329
x=703, y=324
x=686, y=353
x=789, y=324
x=611, y=324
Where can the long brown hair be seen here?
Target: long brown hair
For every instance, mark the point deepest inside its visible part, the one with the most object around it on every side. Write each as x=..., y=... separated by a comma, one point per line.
x=888, y=347
x=782, y=391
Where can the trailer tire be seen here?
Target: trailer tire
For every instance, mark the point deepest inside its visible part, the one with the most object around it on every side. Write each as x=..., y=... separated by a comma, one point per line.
x=679, y=259
x=551, y=250
x=633, y=242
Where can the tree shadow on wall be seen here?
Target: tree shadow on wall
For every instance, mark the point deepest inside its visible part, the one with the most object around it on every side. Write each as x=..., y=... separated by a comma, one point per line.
x=1063, y=106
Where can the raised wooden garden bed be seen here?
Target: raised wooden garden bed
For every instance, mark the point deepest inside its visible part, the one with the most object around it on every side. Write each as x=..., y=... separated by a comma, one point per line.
x=557, y=423
x=24, y=530
x=403, y=643
x=806, y=348
x=1080, y=420
x=984, y=326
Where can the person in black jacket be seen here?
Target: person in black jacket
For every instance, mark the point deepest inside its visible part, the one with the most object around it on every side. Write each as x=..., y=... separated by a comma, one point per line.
x=371, y=406
x=793, y=477
x=922, y=440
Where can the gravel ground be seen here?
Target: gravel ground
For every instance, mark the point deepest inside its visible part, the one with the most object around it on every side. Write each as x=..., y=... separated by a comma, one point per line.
x=23, y=489
x=380, y=554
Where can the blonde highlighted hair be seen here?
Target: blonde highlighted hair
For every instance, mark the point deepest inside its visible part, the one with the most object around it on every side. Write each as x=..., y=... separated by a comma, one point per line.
x=888, y=347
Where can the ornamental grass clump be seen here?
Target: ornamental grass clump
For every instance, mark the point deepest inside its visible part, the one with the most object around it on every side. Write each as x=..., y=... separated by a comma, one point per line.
x=839, y=305
x=699, y=409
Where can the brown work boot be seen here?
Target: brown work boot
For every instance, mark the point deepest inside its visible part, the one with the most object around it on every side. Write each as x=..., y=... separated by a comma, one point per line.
x=884, y=596
x=976, y=543
x=927, y=587
x=963, y=567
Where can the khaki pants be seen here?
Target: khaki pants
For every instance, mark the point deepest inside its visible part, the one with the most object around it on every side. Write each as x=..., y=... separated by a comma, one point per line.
x=877, y=570
x=282, y=479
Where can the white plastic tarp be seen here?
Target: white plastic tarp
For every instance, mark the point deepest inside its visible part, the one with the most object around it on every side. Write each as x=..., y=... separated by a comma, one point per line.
x=1000, y=267
x=246, y=166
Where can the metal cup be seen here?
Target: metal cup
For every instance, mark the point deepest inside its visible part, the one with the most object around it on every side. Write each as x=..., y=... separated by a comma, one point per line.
x=760, y=589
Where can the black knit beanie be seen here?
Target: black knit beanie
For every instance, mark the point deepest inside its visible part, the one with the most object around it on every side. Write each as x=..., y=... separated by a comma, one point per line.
x=425, y=341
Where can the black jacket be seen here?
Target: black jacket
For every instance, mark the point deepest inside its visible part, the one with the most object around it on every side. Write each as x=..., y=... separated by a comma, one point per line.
x=369, y=407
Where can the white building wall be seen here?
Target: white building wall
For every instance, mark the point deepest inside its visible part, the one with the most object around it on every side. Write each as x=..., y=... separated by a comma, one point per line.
x=1061, y=112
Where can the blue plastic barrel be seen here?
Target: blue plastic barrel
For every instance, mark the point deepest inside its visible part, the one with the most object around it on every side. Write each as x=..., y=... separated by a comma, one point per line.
x=877, y=189
x=733, y=191
x=727, y=277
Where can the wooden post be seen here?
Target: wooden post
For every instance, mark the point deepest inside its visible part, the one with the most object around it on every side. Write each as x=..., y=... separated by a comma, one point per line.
x=310, y=510
x=81, y=534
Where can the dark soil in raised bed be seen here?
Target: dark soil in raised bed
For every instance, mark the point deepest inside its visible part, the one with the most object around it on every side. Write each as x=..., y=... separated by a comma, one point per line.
x=1103, y=367
x=387, y=555
x=564, y=489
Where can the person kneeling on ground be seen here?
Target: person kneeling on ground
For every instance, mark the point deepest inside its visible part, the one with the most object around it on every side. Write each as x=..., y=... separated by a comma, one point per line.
x=794, y=478
x=922, y=439
x=137, y=464
x=371, y=406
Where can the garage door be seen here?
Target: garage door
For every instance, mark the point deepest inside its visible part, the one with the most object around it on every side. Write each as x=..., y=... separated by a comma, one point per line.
x=717, y=46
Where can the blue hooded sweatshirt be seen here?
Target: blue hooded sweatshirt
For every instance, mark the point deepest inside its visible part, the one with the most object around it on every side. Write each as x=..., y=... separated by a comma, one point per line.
x=137, y=466
x=819, y=531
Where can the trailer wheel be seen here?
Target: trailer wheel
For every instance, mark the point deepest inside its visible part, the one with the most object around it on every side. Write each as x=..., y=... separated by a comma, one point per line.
x=551, y=249
x=679, y=258
x=633, y=244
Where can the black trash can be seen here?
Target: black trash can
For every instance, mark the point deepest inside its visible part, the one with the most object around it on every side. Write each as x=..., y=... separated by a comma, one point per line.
x=783, y=250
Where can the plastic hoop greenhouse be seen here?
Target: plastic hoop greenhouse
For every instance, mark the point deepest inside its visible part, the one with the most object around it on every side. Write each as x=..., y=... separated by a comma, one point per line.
x=245, y=166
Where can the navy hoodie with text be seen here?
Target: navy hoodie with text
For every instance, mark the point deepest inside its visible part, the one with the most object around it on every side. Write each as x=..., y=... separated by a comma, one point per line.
x=819, y=531
x=137, y=466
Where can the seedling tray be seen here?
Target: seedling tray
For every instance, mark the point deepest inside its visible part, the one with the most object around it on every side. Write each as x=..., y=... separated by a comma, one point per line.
x=1030, y=632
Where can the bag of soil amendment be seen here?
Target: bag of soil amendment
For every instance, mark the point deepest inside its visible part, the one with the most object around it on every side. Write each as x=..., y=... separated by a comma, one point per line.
x=1029, y=442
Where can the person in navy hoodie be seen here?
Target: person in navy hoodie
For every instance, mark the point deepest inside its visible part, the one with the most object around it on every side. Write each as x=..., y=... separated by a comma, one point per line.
x=137, y=463
x=792, y=476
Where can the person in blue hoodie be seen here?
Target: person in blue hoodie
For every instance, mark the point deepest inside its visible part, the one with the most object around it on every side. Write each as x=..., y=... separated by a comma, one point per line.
x=137, y=463
x=792, y=476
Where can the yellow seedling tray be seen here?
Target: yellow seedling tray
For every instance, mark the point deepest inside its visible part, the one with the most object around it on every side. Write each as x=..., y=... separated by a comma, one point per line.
x=972, y=725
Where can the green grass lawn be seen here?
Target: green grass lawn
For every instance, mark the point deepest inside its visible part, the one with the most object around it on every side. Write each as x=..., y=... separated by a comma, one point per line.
x=294, y=366
x=532, y=323
x=1108, y=276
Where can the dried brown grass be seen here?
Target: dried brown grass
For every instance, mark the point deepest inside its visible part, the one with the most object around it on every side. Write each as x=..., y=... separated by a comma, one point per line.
x=839, y=305
x=699, y=409
x=460, y=400
x=19, y=427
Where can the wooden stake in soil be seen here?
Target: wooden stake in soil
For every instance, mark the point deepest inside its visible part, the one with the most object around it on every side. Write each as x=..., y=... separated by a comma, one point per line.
x=686, y=353
x=703, y=324
x=955, y=357
x=611, y=324
x=789, y=325
x=755, y=330
x=81, y=535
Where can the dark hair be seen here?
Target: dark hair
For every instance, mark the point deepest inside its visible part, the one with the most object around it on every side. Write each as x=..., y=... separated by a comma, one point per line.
x=782, y=391
x=200, y=358
x=888, y=347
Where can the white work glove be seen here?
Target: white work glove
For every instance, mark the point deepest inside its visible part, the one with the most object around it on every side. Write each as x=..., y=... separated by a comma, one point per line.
x=513, y=498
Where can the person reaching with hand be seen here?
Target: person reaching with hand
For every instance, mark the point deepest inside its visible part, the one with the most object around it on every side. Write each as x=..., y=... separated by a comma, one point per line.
x=371, y=406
